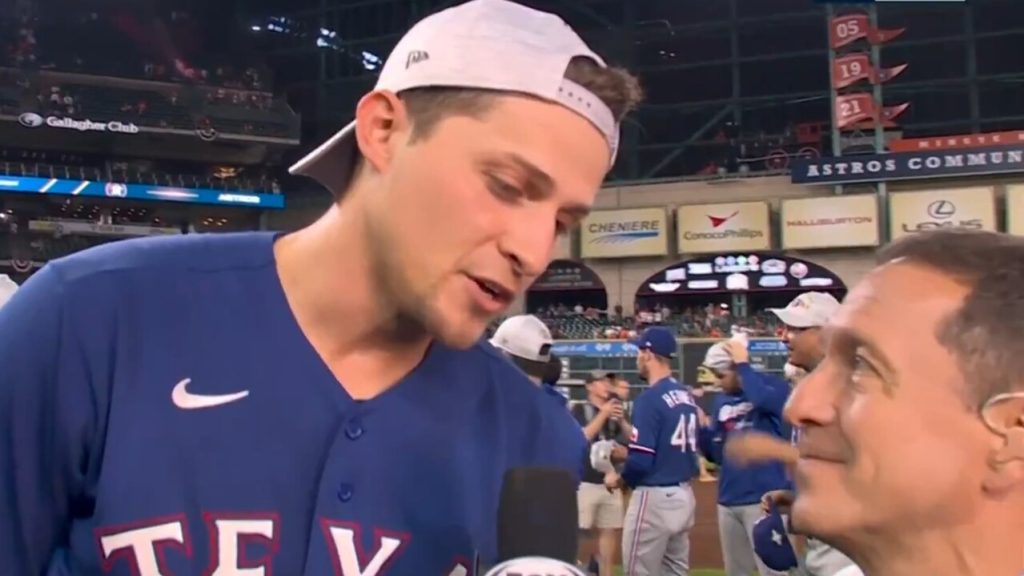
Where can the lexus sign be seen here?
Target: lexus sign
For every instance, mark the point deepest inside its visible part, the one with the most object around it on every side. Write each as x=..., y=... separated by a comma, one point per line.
x=971, y=208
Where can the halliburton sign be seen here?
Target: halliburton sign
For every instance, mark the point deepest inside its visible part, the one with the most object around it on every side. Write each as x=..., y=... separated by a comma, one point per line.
x=830, y=222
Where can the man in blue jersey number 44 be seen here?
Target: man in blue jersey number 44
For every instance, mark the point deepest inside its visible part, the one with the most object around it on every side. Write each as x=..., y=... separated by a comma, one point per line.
x=319, y=402
x=661, y=462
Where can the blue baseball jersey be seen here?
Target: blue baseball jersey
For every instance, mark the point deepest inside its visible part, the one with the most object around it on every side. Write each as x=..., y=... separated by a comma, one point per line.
x=162, y=413
x=663, y=444
x=757, y=407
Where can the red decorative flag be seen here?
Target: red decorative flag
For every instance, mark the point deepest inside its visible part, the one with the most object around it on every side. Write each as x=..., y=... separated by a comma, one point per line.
x=848, y=28
x=850, y=69
x=886, y=74
x=852, y=109
x=887, y=118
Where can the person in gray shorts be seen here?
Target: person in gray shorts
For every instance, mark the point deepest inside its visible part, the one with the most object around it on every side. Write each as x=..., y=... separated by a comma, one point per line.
x=600, y=508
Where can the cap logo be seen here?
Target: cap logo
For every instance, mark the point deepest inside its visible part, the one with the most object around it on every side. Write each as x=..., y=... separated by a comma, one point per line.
x=415, y=57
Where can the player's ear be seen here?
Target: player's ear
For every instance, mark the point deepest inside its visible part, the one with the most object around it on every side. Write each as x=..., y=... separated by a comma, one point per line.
x=1004, y=415
x=382, y=123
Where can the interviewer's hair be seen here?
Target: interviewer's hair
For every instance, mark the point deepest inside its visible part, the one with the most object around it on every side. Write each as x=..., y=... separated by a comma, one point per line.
x=616, y=87
x=987, y=333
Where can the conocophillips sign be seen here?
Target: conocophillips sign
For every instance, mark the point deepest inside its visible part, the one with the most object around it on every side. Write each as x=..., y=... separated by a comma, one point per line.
x=624, y=233
x=33, y=120
x=972, y=208
x=830, y=222
x=734, y=227
x=908, y=165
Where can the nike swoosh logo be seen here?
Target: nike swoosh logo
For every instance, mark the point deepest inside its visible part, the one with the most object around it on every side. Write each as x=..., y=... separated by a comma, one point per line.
x=186, y=400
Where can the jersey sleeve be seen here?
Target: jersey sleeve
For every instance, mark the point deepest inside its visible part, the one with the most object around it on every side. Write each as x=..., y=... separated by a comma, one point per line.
x=709, y=438
x=645, y=421
x=767, y=393
x=45, y=413
x=643, y=441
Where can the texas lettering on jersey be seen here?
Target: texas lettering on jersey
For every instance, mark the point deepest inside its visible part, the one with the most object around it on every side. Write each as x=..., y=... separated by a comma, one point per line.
x=734, y=416
x=246, y=546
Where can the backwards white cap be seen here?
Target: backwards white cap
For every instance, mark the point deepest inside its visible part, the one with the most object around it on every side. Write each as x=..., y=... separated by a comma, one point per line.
x=525, y=337
x=7, y=289
x=482, y=44
x=808, y=310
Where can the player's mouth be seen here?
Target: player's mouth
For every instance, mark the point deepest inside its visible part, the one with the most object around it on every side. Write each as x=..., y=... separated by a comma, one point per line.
x=490, y=295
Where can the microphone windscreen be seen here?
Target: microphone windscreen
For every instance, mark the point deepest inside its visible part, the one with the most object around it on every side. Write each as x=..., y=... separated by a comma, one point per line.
x=537, y=514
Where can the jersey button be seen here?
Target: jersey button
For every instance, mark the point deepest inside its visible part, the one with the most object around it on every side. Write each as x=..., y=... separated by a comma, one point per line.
x=354, y=429
x=344, y=491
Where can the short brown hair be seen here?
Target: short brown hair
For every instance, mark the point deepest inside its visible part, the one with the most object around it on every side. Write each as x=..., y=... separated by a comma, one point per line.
x=616, y=87
x=987, y=333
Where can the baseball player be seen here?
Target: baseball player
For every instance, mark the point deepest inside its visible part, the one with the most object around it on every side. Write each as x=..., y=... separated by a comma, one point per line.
x=750, y=401
x=661, y=461
x=526, y=341
x=552, y=375
x=804, y=317
x=255, y=402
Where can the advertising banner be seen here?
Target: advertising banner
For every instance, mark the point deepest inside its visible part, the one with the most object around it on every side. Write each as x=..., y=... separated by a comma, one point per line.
x=830, y=222
x=85, y=228
x=624, y=233
x=958, y=141
x=1015, y=209
x=908, y=165
x=741, y=226
x=33, y=120
x=972, y=208
x=85, y=188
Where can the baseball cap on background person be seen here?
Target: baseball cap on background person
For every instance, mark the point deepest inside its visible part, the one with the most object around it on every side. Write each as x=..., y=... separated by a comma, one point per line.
x=659, y=340
x=717, y=358
x=482, y=44
x=7, y=289
x=527, y=341
x=808, y=310
x=771, y=542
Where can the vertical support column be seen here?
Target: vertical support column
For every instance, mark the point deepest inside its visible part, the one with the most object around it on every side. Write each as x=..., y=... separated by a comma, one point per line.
x=881, y=187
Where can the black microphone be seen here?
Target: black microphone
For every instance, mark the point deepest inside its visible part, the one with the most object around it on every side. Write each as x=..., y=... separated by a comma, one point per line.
x=537, y=515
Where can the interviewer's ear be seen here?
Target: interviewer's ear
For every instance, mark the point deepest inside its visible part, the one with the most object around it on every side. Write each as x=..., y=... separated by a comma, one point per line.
x=1004, y=416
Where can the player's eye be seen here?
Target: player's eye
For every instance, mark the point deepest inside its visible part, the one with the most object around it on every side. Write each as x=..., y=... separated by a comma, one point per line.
x=860, y=368
x=502, y=189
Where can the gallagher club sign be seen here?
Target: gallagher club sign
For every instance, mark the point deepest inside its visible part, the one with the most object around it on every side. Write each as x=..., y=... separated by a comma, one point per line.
x=909, y=165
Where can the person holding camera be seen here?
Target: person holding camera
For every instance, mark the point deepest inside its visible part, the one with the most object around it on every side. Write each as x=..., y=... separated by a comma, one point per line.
x=602, y=418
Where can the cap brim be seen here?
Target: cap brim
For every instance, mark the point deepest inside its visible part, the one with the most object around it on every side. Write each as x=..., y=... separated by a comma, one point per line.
x=792, y=318
x=331, y=163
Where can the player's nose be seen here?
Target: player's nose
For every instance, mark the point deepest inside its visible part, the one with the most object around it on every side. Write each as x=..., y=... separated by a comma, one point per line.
x=527, y=243
x=813, y=400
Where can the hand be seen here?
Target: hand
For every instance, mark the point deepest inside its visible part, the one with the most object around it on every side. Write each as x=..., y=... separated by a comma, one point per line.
x=756, y=447
x=612, y=481
x=737, y=351
x=619, y=454
x=782, y=500
x=612, y=409
x=702, y=418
